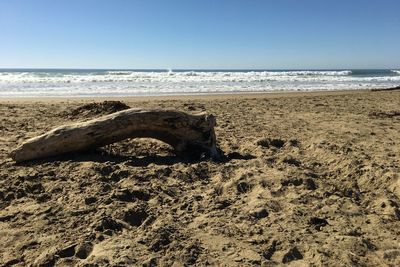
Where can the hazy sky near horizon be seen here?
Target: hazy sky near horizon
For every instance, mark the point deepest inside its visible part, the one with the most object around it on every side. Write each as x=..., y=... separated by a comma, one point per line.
x=256, y=34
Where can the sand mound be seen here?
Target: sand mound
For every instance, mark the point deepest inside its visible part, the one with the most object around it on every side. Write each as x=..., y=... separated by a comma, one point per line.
x=95, y=109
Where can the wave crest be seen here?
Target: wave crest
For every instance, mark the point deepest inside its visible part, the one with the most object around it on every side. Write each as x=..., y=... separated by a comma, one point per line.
x=396, y=71
x=133, y=82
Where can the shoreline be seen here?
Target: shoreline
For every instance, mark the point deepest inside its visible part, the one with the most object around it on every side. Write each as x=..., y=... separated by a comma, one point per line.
x=223, y=95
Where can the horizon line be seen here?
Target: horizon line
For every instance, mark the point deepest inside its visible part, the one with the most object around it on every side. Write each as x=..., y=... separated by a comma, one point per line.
x=192, y=69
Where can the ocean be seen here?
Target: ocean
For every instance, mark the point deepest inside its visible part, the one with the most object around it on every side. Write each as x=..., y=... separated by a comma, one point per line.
x=103, y=82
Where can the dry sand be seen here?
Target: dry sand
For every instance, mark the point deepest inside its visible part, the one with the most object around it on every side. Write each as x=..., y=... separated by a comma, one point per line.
x=310, y=179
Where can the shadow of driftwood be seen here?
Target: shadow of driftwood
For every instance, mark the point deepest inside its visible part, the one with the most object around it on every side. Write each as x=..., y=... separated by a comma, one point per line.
x=102, y=156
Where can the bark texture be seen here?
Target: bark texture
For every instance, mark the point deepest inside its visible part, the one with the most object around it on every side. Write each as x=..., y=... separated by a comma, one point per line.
x=186, y=133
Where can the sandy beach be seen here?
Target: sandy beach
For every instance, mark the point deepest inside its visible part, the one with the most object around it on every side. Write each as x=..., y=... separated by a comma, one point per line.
x=310, y=179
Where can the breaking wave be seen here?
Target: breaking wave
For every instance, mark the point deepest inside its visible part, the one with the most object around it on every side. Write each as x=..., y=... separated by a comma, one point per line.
x=396, y=71
x=140, y=82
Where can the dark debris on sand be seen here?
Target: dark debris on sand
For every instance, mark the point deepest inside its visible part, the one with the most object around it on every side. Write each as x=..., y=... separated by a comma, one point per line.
x=385, y=114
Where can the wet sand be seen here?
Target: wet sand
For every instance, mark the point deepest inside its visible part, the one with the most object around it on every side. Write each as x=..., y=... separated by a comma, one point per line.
x=309, y=179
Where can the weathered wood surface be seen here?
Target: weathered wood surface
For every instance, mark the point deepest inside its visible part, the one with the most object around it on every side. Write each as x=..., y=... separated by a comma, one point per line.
x=186, y=133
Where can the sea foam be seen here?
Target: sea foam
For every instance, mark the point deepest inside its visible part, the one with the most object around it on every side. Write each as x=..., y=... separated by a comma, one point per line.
x=134, y=82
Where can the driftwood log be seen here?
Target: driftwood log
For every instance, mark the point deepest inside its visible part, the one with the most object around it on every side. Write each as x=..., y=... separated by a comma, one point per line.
x=186, y=133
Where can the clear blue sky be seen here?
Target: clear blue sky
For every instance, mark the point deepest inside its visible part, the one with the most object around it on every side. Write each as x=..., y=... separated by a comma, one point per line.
x=200, y=34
